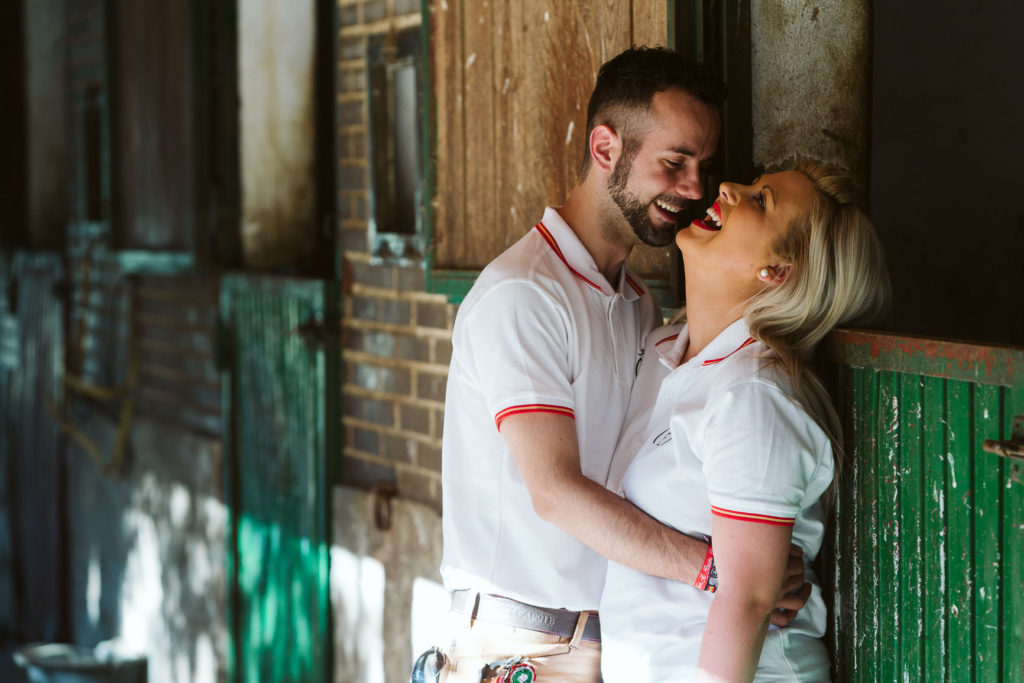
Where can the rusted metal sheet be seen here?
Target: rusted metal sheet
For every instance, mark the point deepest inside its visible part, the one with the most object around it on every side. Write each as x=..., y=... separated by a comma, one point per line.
x=280, y=432
x=927, y=555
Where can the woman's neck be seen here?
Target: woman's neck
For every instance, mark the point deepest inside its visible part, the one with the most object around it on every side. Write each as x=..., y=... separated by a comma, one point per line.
x=708, y=314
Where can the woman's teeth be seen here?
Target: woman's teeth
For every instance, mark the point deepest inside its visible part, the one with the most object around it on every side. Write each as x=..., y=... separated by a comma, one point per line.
x=714, y=216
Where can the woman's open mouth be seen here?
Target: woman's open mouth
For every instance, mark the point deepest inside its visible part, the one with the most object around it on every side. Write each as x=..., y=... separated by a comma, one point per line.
x=712, y=220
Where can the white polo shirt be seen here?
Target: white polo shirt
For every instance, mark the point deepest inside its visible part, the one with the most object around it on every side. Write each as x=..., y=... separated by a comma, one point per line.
x=725, y=436
x=540, y=331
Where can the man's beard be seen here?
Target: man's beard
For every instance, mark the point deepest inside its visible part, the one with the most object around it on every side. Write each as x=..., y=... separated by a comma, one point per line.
x=635, y=210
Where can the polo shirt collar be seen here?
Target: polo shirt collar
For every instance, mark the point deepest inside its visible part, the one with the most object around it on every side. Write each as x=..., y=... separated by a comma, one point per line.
x=567, y=246
x=733, y=338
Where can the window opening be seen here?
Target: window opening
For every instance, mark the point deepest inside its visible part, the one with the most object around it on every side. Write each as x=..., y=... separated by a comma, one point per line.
x=393, y=79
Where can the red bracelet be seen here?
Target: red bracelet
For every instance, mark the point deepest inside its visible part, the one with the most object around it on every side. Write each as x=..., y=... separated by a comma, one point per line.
x=707, y=579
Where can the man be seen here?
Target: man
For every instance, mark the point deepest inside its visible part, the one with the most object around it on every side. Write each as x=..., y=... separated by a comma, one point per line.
x=545, y=350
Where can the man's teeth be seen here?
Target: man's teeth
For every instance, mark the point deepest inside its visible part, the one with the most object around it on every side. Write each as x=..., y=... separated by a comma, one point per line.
x=667, y=207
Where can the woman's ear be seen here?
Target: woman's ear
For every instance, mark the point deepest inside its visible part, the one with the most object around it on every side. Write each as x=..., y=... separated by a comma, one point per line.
x=605, y=147
x=774, y=276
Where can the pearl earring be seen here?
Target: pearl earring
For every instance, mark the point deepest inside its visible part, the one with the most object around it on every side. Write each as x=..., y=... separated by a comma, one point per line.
x=765, y=272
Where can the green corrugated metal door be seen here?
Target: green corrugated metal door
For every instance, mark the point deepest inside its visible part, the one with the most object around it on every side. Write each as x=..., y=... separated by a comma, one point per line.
x=928, y=550
x=278, y=440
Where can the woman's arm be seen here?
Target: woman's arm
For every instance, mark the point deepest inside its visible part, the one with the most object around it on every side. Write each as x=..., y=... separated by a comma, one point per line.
x=751, y=560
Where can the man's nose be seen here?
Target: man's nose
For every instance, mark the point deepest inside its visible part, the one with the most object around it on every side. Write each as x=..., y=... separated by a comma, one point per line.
x=690, y=185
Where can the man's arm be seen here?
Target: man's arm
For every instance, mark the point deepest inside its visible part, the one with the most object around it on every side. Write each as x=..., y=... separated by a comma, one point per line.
x=546, y=452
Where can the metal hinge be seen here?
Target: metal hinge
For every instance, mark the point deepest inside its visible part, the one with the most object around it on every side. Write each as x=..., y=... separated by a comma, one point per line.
x=1013, y=449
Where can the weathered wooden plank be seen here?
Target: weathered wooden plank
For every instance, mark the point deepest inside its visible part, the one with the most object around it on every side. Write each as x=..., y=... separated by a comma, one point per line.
x=988, y=484
x=931, y=357
x=1012, y=551
x=866, y=570
x=887, y=505
x=960, y=556
x=933, y=562
x=447, y=68
x=912, y=502
x=650, y=23
x=481, y=144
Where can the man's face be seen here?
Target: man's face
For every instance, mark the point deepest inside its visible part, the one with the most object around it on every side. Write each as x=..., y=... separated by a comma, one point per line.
x=653, y=182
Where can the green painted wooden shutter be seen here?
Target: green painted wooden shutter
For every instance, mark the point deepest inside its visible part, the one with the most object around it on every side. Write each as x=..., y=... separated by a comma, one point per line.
x=928, y=548
x=277, y=443
x=35, y=349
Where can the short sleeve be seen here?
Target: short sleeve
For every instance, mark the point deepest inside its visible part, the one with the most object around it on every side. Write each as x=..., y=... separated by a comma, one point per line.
x=519, y=339
x=764, y=458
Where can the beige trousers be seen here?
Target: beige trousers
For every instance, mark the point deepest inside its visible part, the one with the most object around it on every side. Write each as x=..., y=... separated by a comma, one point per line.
x=473, y=648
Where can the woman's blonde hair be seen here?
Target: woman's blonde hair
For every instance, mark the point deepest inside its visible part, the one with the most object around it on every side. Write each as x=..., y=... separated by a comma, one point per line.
x=838, y=277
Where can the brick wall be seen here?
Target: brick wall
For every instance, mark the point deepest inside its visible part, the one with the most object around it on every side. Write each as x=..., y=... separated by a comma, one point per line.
x=397, y=337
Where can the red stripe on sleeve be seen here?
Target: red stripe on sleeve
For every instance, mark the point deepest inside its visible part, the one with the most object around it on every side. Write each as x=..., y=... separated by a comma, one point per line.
x=533, y=408
x=752, y=517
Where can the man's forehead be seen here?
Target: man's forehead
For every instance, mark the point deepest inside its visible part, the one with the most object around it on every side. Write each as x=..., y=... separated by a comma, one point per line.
x=680, y=122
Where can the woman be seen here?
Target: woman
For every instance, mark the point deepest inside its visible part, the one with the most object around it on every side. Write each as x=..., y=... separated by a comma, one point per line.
x=735, y=439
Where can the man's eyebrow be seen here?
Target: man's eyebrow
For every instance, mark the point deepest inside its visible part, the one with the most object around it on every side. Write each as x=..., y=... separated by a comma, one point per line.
x=683, y=150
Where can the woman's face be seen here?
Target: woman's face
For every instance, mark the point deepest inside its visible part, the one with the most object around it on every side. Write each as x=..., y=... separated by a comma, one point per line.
x=737, y=236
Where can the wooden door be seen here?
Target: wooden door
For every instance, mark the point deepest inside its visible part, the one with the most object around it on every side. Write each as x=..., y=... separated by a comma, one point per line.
x=278, y=440
x=928, y=547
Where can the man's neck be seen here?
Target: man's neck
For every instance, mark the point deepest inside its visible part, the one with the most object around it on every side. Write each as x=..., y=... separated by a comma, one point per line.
x=582, y=211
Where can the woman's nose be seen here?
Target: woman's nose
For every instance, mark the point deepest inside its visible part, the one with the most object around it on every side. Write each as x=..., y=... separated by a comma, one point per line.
x=727, y=193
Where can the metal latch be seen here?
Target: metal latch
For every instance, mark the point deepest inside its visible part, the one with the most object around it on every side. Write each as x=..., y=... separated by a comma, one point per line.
x=1012, y=449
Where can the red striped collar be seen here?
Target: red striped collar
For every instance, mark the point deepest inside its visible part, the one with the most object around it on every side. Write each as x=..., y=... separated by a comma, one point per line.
x=548, y=237
x=712, y=361
x=672, y=345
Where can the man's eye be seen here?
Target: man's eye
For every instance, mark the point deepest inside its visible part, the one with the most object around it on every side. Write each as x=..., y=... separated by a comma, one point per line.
x=759, y=198
x=673, y=164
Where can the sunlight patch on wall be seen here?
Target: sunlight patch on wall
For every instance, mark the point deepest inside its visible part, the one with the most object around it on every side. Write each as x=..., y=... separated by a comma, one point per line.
x=430, y=601
x=357, y=584
x=93, y=587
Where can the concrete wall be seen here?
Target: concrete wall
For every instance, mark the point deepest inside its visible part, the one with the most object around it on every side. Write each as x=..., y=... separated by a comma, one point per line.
x=276, y=45
x=386, y=593
x=147, y=550
x=811, y=81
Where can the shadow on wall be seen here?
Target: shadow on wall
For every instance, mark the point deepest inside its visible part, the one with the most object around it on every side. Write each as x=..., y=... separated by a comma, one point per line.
x=147, y=552
x=386, y=592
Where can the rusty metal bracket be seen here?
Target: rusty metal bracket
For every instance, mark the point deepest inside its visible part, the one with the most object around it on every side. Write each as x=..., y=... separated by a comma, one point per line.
x=383, y=494
x=1012, y=449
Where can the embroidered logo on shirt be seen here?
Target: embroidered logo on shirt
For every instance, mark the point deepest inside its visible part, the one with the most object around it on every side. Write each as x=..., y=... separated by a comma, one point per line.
x=663, y=438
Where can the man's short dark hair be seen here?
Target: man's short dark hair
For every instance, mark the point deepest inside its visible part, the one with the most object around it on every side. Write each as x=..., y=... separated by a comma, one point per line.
x=626, y=85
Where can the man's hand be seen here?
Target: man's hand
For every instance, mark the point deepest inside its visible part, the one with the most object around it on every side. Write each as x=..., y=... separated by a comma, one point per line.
x=794, y=592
